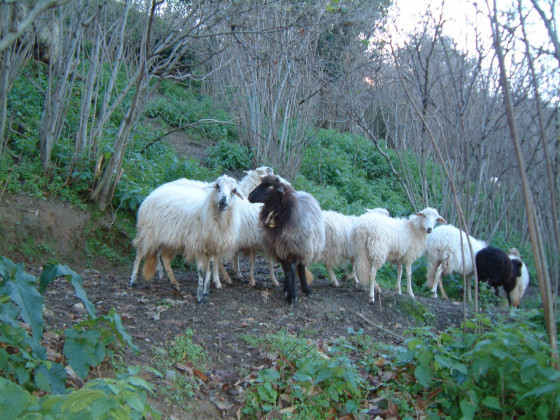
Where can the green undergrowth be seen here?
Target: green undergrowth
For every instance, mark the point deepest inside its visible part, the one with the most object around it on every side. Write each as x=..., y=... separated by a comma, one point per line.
x=484, y=369
x=34, y=380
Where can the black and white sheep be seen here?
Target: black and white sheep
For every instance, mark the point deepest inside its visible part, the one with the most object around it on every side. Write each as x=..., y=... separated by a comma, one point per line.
x=448, y=252
x=521, y=282
x=379, y=239
x=495, y=267
x=200, y=223
x=293, y=229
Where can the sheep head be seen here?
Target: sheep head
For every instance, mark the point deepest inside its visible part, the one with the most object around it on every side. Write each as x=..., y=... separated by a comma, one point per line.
x=225, y=187
x=429, y=217
x=260, y=172
x=271, y=191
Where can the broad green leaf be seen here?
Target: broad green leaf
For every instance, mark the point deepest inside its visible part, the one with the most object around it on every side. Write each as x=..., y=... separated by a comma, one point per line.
x=538, y=391
x=79, y=401
x=83, y=350
x=13, y=401
x=7, y=268
x=53, y=271
x=423, y=375
x=492, y=402
x=323, y=376
x=55, y=374
x=468, y=409
x=529, y=369
x=120, y=330
x=23, y=293
x=9, y=314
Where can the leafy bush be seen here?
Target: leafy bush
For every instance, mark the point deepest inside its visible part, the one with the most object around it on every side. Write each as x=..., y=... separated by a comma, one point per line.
x=230, y=156
x=26, y=369
x=504, y=370
x=317, y=384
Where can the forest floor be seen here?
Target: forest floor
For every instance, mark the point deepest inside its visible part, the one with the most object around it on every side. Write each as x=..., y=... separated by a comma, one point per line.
x=155, y=314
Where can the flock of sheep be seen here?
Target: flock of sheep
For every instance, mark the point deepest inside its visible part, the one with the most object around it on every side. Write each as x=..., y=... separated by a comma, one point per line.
x=211, y=223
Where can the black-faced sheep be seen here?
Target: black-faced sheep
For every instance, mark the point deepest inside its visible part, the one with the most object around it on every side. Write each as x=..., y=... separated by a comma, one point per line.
x=293, y=229
x=379, y=239
x=448, y=252
x=200, y=223
x=250, y=236
x=495, y=267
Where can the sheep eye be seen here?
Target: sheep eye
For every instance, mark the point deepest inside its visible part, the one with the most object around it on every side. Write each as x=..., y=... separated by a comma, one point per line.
x=271, y=187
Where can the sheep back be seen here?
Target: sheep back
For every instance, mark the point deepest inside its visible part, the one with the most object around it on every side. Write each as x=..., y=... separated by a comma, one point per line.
x=494, y=266
x=338, y=228
x=444, y=247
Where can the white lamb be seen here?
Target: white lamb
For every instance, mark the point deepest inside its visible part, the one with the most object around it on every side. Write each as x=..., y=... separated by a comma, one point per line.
x=338, y=249
x=379, y=239
x=200, y=223
x=448, y=252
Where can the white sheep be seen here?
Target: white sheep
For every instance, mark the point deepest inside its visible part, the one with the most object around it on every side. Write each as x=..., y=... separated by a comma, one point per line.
x=338, y=249
x=250, y=235
x=379, y=239
x=200, y=223
x=448, y=252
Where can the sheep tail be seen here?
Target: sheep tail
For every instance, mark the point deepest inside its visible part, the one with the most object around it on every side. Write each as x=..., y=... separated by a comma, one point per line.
x=149, y=268
x=363, y=266
x=308, y=276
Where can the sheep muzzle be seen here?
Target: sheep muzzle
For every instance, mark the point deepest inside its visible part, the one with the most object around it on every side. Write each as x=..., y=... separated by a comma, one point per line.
x=222, y=205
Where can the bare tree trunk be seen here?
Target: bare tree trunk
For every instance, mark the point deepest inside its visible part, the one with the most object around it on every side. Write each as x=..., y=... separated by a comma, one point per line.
x=535, y=231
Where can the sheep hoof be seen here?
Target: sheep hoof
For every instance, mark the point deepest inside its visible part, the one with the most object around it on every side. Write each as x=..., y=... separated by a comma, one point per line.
x=202, y=299
x=177, y=287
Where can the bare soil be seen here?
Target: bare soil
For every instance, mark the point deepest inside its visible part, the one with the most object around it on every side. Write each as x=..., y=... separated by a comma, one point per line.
x=154, y=313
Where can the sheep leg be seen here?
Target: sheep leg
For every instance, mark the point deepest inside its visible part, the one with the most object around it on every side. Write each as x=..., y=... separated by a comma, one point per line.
x=289, y=268
x=408, y=279
x=222, y=269
x=135, y=268
x=436, y=281
x=272, y=274
x=372, y=284
x=203, y=270
x=167, y=266
x=235, y=267
x=331, y=275
x=303, y=280
x=252, y=258
x=352, y=274
x=399, y=278
x=441, y=289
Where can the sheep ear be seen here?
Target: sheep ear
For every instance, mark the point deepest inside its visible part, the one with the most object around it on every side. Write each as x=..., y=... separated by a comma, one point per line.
x=238, y=194
x=281, y=189
x=441, y=220
x=420, y=214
